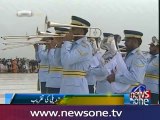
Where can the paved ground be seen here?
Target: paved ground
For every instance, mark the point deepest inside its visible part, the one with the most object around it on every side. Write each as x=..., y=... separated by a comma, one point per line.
x=17, y=83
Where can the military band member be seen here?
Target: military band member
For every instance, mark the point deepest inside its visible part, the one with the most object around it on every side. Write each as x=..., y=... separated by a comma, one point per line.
x=76, y=53
x=93, y=64
x=55, y=67
x=38, y=61
x=105, y=65
x=41, y=56
x=152, y=71
x=135, y=62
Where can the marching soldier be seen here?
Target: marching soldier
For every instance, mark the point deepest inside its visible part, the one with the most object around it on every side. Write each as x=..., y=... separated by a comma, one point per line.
x=152, y=72
x=55, y=67
x=135, y=62
x=41, y=56
x=105, y=65
x=93, y=64
x=75, y=58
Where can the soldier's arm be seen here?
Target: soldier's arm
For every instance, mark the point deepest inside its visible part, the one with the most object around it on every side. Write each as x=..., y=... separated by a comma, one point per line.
x=57, y=52
x=37, y=52
x=71, y=56
x=42, y=52
x=51, y=54
x=135, y=74
x=154, y=65
x=104, y=70
x=37, y=56
x=57, y=56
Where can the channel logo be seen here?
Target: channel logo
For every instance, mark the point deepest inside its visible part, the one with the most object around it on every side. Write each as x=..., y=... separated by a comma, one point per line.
x=140, y=96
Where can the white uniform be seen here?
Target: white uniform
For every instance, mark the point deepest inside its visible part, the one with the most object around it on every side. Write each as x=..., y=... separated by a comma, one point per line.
x=55, y=68
x=152, y=75
x=93, y=64
x=101, y=73
x=134, y=74
x=41, y=56
x=75, y=58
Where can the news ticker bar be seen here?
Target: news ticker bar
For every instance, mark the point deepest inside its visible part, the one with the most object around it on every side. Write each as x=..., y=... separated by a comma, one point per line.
x=61, y=99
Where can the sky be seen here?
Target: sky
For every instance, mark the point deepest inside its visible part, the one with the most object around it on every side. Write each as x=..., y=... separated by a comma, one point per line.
x=113, y=16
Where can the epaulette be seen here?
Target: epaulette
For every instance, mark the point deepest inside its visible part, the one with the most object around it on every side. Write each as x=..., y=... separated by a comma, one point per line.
x=82, y=53
x=155, y=62
x=85, y=44
x=140, y=54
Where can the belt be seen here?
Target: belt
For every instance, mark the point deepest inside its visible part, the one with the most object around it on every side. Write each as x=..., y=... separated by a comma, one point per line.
x=55, y=69
x=74, y=73
x=156, y=77
x=134, y=85
x=43, y=66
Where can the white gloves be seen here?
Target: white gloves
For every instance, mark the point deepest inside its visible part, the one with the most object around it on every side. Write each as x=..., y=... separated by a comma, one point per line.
x=155, y=41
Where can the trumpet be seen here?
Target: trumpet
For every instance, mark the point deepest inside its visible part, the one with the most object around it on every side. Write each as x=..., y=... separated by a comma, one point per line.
x=45, y=33
x=42, y=36
x=16, y=46
x=49, y=24
x=62, y=35
x=121, y=47
x=27, y=43
x=22, y=44
x=28, y=37
x=38, y=35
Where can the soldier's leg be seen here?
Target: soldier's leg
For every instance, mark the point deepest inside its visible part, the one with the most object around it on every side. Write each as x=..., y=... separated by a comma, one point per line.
x=91, y=89
x=38, y=85
x=43, y=87
x=154, y=98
